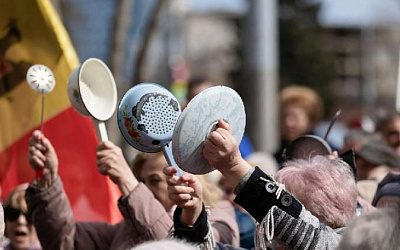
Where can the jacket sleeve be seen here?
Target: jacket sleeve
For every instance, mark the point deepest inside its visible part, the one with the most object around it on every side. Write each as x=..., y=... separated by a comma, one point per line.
x=293, y=225
x=145, y=215
x=223, y=223
x=52, y=217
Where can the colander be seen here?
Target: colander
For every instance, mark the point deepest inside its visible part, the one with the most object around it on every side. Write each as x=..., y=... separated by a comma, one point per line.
x=147, y=115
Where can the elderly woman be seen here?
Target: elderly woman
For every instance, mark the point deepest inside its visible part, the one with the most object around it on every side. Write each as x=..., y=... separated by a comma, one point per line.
x=148, y=168
x=280, y=214
x=19, y=230
x=300, y=110
x=325, y=187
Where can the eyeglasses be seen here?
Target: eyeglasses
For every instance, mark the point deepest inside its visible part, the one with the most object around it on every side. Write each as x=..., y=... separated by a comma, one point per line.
x=12, y=214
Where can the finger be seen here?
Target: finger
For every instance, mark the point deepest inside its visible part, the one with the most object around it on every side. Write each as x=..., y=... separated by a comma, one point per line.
x=209, y=145
x=216, y=138
x=36, y=151
x=47, y=144
x=180, y=197
x=180, y=190
x=223, y=124
x=187, y=178
x=35, y=138
x=169, y=171
x=37, y=134
x=106, y=145
x=37, y=146
x=226, y=134
x=36, y=162
x=104, y=153
x=173, y=181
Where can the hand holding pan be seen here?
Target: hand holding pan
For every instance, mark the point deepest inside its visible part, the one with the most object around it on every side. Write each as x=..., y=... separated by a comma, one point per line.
x=147, y=115
x=92, y=92
x=41, y=79
x=199, y=118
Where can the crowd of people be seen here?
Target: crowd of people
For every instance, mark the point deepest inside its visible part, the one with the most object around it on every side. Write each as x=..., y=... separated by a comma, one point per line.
x=316, y=201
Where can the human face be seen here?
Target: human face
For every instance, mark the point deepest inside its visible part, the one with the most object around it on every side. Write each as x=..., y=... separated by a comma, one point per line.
x=22, y=234
x=294, y=123
x=153, y=177
x=392, y=134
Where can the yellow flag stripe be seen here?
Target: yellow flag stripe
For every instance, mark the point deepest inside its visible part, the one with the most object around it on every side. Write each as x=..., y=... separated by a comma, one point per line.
x=20, y=107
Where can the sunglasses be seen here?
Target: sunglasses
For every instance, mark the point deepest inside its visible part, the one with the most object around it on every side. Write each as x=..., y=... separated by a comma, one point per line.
x=12, y=214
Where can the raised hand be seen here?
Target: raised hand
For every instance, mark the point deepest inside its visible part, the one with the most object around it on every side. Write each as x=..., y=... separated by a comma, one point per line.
x=222, y=151
x=186, y=192
x=43, y=156
x=111, y=162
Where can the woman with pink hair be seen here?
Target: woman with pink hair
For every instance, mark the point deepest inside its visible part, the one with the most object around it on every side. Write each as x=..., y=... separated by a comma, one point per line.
x=319, y=200
x=325, y=187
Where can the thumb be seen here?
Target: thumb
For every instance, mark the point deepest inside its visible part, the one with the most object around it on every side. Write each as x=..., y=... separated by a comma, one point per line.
x=47, y=144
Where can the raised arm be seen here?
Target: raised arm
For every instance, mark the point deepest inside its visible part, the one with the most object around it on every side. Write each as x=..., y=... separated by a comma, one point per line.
x=49, y=208
x=279, y=213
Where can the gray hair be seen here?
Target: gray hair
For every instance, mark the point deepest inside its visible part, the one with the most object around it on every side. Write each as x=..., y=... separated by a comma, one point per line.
x=165, y=245
x=379, y=229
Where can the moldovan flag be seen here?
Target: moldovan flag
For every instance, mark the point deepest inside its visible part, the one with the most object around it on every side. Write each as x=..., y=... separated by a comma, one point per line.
x=31, y=33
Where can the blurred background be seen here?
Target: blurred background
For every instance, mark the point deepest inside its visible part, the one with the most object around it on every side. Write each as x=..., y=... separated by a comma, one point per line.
x=347, y=50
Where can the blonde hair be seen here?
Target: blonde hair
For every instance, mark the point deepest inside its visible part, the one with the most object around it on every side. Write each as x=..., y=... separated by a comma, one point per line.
x=305, y=98
x=212, y=194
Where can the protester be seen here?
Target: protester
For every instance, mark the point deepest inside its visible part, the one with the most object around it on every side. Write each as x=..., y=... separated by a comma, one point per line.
x=325, y=187
x=388, y=192
x=279, y=213
x=376, y=230
x=148, y=168
x=374, y=159
x=51, y=213
x=19, y=229
x=389, y=129
x=300, y=110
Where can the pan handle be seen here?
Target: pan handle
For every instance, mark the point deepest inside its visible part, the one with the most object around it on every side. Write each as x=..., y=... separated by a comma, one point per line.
x=102, y=130
x=167, y=150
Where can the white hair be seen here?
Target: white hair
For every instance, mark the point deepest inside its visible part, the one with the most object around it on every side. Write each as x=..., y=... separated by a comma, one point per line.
x=166, y=244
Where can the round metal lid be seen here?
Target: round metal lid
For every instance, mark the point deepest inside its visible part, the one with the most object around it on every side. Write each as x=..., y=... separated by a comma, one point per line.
x=198, y=119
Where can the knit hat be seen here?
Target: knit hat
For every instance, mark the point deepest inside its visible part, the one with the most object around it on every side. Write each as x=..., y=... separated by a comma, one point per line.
x=377, y=152
x=389, y=186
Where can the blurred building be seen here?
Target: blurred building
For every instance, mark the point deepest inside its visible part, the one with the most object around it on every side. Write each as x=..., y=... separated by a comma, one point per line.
x=364, y=36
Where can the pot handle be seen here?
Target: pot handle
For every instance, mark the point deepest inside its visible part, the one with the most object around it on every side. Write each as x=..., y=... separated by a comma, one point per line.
x=167, y=150
x=102, y=130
